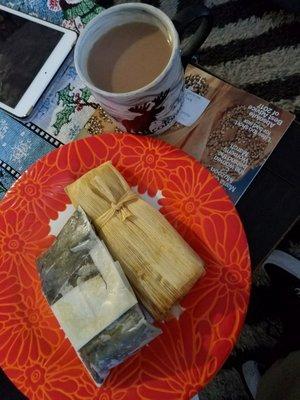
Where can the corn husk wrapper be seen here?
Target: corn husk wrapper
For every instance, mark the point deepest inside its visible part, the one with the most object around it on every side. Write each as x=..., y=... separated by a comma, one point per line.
x=159, y=264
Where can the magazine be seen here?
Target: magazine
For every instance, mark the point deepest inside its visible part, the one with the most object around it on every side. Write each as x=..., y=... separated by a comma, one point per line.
x=230, y=131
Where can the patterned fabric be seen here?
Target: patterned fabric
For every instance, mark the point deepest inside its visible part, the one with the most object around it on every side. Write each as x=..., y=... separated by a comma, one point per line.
x=255, y=45
x=20, y=146
x=72, y=14
x=47, y=10
x=66, y=106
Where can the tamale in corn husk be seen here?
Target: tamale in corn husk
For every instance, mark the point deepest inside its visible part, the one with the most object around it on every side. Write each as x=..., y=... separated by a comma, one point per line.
x=159, y=264
x=91, y=298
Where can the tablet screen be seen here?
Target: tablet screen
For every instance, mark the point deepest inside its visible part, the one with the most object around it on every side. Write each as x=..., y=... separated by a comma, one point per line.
x=24, y=48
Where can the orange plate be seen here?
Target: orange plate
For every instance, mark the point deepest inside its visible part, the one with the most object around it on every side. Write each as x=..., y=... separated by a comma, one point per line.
x=33, y=350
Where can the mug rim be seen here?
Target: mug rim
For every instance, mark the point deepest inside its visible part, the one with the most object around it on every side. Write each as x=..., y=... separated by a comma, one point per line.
x=127, y=6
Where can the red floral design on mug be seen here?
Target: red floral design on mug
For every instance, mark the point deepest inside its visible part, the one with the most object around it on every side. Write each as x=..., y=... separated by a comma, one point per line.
x=146, y=114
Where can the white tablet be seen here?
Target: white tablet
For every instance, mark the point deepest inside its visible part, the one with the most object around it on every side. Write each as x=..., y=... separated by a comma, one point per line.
x=31, y=52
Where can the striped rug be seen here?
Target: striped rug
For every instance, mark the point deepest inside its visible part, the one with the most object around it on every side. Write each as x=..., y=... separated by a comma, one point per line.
x=253, y=45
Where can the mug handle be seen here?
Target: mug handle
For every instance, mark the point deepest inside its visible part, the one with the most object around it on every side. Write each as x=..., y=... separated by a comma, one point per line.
x=196, y=21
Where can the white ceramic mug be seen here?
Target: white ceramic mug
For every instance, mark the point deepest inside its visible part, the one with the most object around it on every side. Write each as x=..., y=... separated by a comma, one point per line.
x=153, y=108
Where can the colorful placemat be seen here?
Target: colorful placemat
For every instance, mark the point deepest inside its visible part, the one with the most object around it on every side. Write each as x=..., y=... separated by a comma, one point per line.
x=73, y=14
x=20, y=146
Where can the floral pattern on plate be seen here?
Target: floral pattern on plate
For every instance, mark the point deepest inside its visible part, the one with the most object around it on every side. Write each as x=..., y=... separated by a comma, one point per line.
x=34, y=352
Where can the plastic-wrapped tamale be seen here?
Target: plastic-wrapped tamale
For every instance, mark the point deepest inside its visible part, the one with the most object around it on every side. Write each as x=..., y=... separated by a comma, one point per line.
x=91, y=298
x=159, y=264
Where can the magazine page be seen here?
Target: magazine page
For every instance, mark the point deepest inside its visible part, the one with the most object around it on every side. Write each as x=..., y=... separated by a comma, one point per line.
x=230, y=131
x=234, y=135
